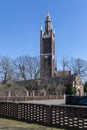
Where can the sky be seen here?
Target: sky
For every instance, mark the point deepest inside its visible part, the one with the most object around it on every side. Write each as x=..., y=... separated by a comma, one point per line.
x=20, y=22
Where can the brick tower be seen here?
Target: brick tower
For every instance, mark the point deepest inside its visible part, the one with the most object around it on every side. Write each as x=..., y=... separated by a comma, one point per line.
x=47, y=50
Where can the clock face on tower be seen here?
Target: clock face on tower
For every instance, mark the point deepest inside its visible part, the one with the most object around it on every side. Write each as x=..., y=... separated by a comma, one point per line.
x=46, y=56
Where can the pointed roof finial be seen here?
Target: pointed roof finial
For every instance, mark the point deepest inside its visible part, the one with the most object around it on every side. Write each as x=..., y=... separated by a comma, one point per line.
x=48, y=18
x=54, y=31
x=52, y=26
x=48, y=14
x=41, y=28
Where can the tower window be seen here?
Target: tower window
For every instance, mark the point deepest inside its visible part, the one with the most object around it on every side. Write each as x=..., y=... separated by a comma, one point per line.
x=46, y=45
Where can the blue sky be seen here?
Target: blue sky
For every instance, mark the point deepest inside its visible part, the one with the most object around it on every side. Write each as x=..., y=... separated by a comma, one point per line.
x=20, y=22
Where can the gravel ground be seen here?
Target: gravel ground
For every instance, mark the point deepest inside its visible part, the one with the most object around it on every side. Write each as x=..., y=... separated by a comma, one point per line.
x=48, y=102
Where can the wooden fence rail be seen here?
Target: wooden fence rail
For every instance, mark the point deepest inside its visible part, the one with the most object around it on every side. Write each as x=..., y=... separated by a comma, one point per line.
x=28, y=98
x=51, y=115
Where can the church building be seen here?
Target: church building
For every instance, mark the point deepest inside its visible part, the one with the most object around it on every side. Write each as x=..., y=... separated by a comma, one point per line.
x=48, y=69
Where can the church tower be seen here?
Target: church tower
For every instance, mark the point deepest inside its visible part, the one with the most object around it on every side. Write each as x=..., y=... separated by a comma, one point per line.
x=47, y=50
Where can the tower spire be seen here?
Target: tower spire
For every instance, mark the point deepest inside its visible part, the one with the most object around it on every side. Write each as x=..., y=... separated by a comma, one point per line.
x=48, y=14
x=48, y=24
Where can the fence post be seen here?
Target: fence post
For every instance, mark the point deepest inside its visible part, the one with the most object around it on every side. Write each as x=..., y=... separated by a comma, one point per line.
x=48, y=115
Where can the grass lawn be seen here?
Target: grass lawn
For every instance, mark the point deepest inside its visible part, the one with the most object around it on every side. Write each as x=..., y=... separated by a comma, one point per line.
x=6, y=124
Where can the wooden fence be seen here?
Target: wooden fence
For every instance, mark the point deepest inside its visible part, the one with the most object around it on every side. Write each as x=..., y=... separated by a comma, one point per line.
x=28, y=98
x=58, y=116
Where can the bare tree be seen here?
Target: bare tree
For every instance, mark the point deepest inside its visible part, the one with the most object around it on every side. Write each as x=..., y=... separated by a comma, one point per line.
x=33, y=67
x=64, y=63
x=27, y=70
x=27, y=67
x=77, y=66
x=20, y=68
x=6, y=69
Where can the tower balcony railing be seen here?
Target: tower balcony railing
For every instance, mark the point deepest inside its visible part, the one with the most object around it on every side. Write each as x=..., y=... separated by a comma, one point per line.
x=43, y=54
